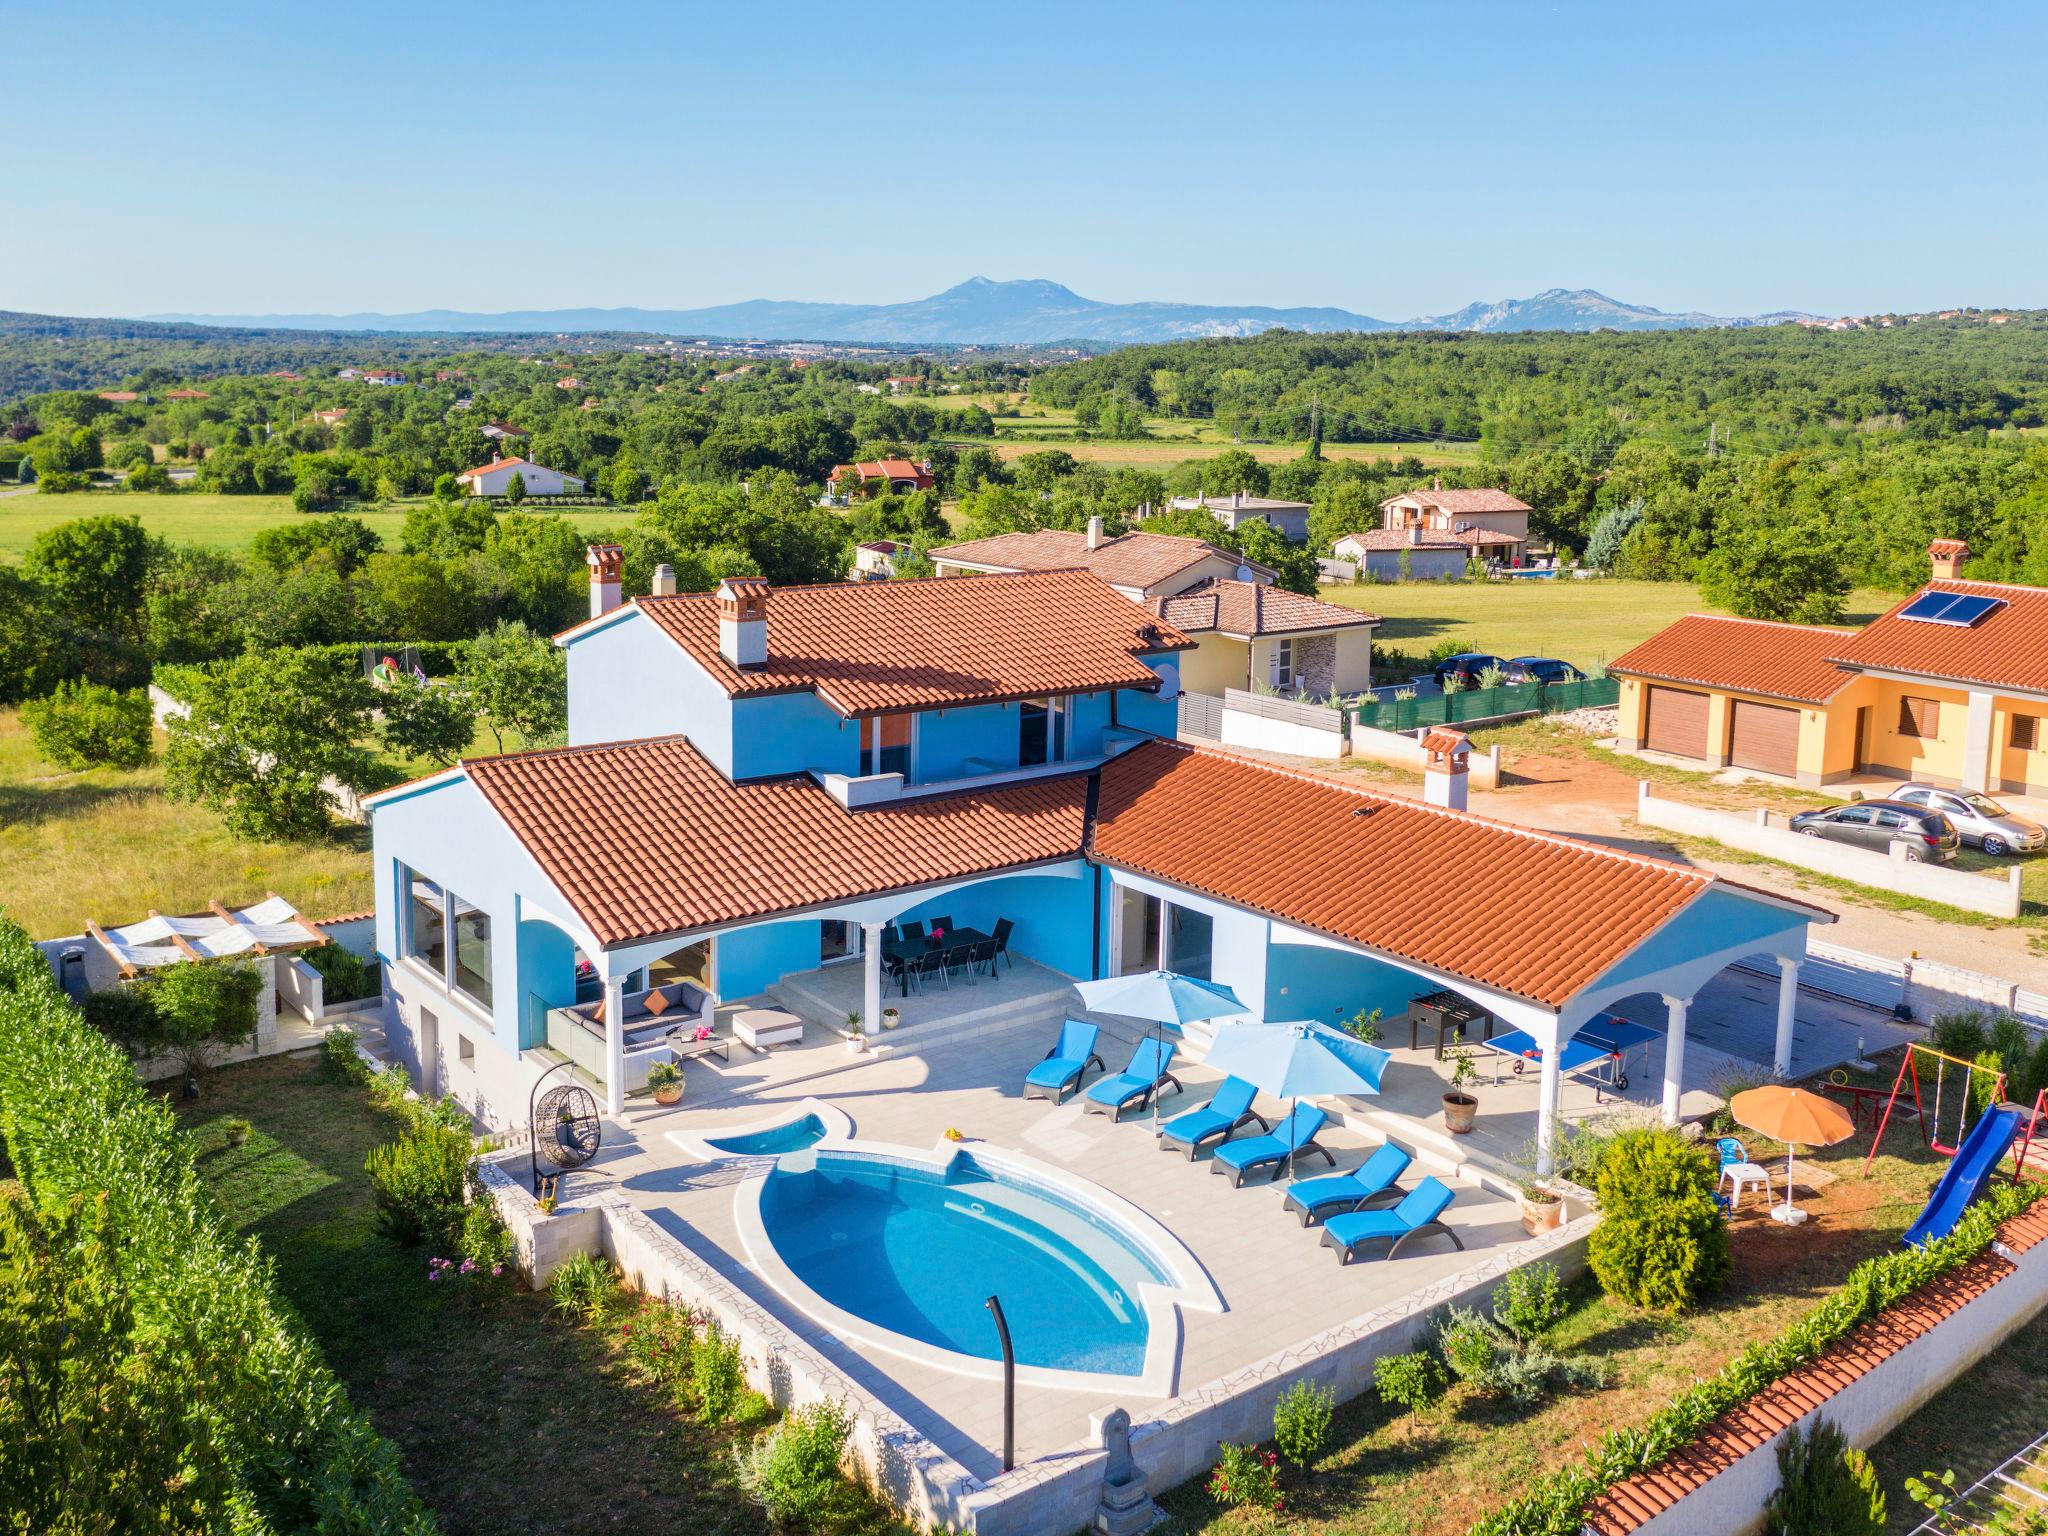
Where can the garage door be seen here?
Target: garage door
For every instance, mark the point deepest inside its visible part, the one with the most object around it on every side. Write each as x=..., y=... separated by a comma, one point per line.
x=1764, y=737
x=1678, y=722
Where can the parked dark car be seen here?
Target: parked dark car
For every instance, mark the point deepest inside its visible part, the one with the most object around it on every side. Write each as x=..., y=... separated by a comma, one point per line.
x=1928, y=836
x=1466, y=667
x=1543, y=669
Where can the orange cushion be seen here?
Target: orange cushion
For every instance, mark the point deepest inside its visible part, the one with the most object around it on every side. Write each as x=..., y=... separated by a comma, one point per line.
x=656, y=1001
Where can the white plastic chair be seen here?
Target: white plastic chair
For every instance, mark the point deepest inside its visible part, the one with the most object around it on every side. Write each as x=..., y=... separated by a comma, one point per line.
x=1737, y=1169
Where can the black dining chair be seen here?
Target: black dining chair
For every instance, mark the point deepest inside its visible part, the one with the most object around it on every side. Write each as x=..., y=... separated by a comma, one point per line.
x=927, y=965
x=895, y=969
x=983, y=957
x=912, y=931
x=888, y=933
x=1004, y=928
x=942, y=925
x=959, y=957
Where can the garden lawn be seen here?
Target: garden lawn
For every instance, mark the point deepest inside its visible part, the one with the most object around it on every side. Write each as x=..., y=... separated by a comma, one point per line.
x=182, y=517
x=508, y=1420
x=1588, y=623
x=1468, y=1455
x=106, y=845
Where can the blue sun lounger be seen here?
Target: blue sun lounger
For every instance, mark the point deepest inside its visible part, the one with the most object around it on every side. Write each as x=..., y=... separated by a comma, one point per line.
x=1415, y=1216
x=1064, y=1063
x=1370, y=1185
x=1228, y=1108
x=1145, y=1076
x=1295, y=1136
x=1597, y=1054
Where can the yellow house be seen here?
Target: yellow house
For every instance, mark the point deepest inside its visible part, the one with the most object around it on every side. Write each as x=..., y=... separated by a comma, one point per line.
x=1949, y=687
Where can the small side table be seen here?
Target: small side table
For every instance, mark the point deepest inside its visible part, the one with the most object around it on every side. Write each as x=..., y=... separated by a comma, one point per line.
x=684, y=1047
x=761, y=1028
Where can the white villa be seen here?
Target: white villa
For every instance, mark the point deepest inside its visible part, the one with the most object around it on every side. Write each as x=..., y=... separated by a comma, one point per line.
x=491, y=479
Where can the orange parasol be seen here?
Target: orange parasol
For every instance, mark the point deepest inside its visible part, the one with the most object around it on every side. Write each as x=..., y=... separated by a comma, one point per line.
x=1797, y=1118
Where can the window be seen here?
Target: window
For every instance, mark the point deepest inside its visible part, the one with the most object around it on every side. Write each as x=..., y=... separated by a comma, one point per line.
x=1042, y=731
x=465, y=1050
x=1283, y=664
x=885, y=744
x=472, y=951
x=1919, y=717
x=1854, y=816
x=2026, y=733
x=426, y=928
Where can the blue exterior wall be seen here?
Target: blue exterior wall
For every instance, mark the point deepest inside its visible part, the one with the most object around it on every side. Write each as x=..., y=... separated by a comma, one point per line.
x=1310, y=981
x=1052, y=913
x=750, y=960
x=1718, y=920
x=629, y=680
x=788, y=733
x=547, y=971
x=946, y=738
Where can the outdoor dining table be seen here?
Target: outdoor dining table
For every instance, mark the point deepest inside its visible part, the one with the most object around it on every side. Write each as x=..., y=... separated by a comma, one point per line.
x=909, y=950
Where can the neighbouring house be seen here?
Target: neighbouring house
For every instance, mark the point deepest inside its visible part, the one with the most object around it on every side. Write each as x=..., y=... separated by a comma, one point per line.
x=1491, y=524
x=1140, y=565
x=1252, y=635
x=286, y=374
x=1237, y=509
x=876, y=560
x=1411, y=553
x=879, y=477
x=333, y=418
x=759, y=780
x=120, y=396
x=501, y=431
x=383, y=376
x=1949, y=686
x=348, y=373
x=571, y=382
x=186, y=394
x=492, y=478
x=899, y=382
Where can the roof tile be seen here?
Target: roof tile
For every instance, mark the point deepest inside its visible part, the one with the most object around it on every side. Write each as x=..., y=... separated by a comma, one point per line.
x=1785, y=661
x=2007, y=648
x=1140, y=560
x=1250, y=608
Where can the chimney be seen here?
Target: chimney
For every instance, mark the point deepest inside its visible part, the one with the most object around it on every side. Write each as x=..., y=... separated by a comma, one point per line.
x=1095, y=533
x=1237, y=498
x=604, y=561
x=1445, y=770
x=664, y=580
x=1948, y=556
x=1437, y=484
x=743, y=620
x=1415, y=533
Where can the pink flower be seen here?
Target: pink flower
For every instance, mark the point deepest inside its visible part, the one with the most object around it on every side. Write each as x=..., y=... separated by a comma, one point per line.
x=468, y=1266
x=496, y=1270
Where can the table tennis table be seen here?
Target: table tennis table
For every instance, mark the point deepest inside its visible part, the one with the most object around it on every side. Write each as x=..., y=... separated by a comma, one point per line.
x=1597, y=1054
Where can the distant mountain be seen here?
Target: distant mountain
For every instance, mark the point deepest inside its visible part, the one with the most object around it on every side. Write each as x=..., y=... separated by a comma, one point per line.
x=1029, y=311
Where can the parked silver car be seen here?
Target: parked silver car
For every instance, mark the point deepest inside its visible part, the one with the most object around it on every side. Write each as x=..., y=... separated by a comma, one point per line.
x=1978, y=819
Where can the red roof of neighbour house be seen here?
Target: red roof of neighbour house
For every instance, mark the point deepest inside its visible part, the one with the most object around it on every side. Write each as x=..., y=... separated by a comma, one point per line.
x=1252, y=608
x=496, y=464
x=1785, y=661
x=2007, y=648
x=871, y=648
x=1128, y=560
x=502, y=429
x=1397, y=538
x=284, y=373
x=187, y=394
x=119, y=396
x=1483, y=536
x=886, y=469
x=1490, y=499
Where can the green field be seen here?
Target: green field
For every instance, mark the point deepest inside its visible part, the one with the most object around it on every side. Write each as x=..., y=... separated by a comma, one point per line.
x=185, y=517
x=1588, y=623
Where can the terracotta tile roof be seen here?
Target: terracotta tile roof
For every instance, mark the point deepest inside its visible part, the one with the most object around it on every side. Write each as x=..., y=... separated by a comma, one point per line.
x=1490, y=499
x=1484, y=536
x=1546, y=917
x=1140, y=560
x=1785, y=661
x=884, y=469
x=1637, y=1500
x=1397, y=538
x=647, y=838
x=2008, y=648
x=119, y=396
x=2025, y=1230
x=870, y=647
x=1250, y=608
x=342, y=917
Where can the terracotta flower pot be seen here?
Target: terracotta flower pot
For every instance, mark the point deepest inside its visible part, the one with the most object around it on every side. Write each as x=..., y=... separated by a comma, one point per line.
x=891, y=1018
x=1541, y=1215
x=669, y=1093
x=1460, y=1109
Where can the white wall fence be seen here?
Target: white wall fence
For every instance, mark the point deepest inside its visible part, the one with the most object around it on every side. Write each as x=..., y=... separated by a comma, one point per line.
x=1992, y=895
x=1271, y=724
x=1403, y=750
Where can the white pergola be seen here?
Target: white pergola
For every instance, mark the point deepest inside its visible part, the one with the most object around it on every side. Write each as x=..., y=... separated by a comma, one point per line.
x=268, y=926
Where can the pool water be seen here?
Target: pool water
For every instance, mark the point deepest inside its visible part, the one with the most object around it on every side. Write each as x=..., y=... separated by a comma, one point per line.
x=918, y=1250
x=793, y=1136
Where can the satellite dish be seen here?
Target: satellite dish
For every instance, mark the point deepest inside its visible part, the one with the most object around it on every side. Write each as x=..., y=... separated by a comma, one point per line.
x=1169, y=680
x=1244, y=572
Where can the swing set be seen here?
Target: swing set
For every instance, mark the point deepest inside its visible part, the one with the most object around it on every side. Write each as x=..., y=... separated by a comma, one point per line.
x=1930, y=1128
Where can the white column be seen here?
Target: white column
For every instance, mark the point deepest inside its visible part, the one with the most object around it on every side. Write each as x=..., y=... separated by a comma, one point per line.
x=1977, y=754
x=1546, y=1108
x=1788, y=995
x=1674, y=1056
x=871, y=959
x=615, y=1045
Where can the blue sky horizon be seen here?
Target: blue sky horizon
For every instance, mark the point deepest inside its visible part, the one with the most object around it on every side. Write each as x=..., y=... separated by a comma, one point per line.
x=1393, y=160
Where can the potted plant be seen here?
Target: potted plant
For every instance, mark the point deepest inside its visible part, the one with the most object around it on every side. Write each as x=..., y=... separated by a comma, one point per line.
x=1542, y=1207
x=891, y=1017
x=666, y=1079
x=1460, y=1107
x=238, y=1131
x=856, y=1042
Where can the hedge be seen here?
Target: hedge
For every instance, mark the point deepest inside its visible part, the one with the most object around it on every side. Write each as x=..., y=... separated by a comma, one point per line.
x=1557, y=1505
x=272, y=1421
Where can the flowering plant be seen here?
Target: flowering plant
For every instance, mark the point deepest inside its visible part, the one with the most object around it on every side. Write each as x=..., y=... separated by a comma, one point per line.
x=936, y=935
x=701, y=1032
x=1247, y=1476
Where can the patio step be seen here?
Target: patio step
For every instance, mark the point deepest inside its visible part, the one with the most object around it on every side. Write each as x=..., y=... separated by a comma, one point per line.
x=824, y=1009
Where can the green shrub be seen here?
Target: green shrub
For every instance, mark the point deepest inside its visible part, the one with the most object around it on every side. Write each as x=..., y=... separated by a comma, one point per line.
x=657, y=1339
x=1301, y=1421
x=389, y=1086
x=486, y=1241
x=345, y=976
x=1661, y=1243
x=1961, y=1035
x=1529, y=1300
x=717, y=1373
x=1484, y=1356
x=1470, y=1348
x=1246, y=1477
x=344, y=1060
x=1984, y=1083
x=2014, y=1043
x=584, y=1288
x=1411, y=1381
x=86, y=725
x=2037, y=1070
x=793, y=1473
x=419, y=1181
x=1825, y=1488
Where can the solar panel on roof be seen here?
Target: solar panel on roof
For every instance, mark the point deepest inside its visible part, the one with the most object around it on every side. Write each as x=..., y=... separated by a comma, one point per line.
x=1959, y=609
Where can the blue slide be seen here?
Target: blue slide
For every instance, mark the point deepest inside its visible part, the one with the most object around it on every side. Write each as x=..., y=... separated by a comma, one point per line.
x=1967, y=1174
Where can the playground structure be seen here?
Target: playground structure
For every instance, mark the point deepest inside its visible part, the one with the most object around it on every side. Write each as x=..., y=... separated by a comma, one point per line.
x=1930, y=1126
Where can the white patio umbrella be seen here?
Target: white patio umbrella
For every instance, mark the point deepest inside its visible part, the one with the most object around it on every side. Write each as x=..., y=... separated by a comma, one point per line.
x=1166, y=1000
x=1298, y=1060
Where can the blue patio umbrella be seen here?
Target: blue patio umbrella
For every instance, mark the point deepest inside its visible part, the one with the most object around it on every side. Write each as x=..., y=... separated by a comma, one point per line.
x=1295, y=1061
x=1167, y=1000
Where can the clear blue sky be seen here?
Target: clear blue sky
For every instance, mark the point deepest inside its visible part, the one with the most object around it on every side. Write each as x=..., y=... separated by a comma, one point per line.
x=1392, y=159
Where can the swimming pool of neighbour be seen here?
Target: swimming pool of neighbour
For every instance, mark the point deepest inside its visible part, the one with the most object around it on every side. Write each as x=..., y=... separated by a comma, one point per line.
x=916, y=1250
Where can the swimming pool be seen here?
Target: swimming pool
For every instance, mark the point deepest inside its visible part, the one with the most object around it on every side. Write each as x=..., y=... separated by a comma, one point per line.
x=790, y=1136
x=915, y=1250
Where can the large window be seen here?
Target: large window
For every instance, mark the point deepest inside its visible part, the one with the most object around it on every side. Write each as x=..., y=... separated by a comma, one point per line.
x=885, y=744
x=1283, y=664
x=1042, y=731
x=431, y=912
